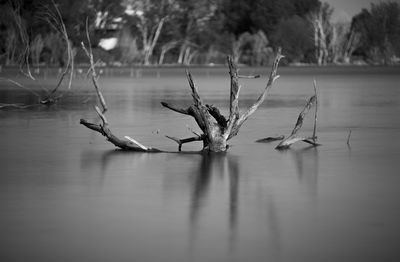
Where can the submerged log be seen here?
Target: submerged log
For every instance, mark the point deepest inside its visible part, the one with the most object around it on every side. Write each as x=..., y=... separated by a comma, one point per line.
x=216, y=128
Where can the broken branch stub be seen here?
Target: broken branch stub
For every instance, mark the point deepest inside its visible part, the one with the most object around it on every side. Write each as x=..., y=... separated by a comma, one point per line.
x=216, y=128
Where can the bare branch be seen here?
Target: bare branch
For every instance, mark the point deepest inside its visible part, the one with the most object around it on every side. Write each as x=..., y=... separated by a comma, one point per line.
x=185, y=140
x=136, y=143
x=272, y=78
x=302, y=114
x=195, y=94
x=54, y=19
x=293, y=138
x=236, y=121
x=316, y=109
x=234, y=96
x=89, y=53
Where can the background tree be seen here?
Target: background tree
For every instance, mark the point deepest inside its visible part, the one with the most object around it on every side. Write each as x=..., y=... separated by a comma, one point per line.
x=147, y=19
x=295, y=35
x=379, y=30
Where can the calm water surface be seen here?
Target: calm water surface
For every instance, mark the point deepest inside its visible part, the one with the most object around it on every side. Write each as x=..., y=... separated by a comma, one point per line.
x=67, y=195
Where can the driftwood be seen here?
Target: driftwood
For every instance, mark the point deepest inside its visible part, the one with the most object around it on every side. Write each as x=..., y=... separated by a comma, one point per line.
x=126, y=144
x=104, y=129
x=293, y=137
x=270, y=139
x=216, y=128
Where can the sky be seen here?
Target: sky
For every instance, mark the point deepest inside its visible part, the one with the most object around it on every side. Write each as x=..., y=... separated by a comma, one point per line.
x=346, y=9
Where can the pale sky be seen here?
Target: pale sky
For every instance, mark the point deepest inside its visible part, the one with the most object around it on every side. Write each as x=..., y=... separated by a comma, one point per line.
x=346, y=9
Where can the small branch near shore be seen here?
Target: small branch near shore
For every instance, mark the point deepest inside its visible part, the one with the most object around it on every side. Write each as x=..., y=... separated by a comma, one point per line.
x=293, y=137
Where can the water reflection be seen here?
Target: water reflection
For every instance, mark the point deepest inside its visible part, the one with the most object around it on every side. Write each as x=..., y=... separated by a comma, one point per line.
x=213, y=166
x=109, y=161
x=306, y=161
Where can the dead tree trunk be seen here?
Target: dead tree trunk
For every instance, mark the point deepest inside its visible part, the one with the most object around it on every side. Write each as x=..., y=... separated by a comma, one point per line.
x=216, y=128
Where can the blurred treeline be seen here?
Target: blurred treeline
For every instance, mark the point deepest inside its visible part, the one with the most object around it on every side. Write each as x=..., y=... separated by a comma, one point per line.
x=152, y=32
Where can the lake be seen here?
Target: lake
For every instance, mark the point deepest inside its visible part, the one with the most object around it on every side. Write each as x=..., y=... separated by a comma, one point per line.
x=66, y=194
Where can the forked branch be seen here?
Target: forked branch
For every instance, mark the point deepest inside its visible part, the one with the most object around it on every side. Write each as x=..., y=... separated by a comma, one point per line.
x=128, y=143
x=54, y=19
x=236, y=121
x=293, y=137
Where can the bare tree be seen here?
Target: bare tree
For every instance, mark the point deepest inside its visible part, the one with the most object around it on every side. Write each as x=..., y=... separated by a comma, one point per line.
x=151, y=17
x=165, y=48
x=216, y=128
x=322, y=30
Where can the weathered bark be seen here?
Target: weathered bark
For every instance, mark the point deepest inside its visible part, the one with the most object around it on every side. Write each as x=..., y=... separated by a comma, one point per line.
x=104, y=129
x=216, y=128
x=293, y=137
